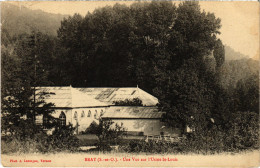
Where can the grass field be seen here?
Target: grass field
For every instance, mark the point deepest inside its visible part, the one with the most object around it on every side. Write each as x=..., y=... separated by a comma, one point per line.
x=87, y=139
x=91, y=139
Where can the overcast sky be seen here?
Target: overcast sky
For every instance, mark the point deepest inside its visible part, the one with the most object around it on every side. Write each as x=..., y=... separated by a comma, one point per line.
x=240, y=20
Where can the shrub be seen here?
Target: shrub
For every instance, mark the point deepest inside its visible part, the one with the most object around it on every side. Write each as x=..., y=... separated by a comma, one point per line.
x=245, y=130
x=24, y=137
x=63, y=138
x=92, y=129
x=242, y=135
x=30, y=138
x=135, y=146
x=108, y=134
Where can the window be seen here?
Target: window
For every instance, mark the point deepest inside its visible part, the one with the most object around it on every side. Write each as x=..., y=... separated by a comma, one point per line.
x=95, y=115
x=45, y=122
x=62, y=118
x=82, y=114
x=89, y=113
x=101, y=113
x=75, y=115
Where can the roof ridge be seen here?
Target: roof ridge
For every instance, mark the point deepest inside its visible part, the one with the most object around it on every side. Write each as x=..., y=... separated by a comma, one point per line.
x=83, y=97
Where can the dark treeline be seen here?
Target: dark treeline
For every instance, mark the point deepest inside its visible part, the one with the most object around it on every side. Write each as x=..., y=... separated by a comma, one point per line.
x=170, y=51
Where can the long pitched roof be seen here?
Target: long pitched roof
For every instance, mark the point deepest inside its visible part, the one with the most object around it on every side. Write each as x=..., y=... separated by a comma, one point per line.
x=109, y=95
x=132, y=112
x=70, y=97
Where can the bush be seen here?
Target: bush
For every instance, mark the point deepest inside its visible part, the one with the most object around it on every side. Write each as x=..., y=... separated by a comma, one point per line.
x=201, y=144
x=15, y=144
x=30, y=138
x=62, y=138
x=92, y=129
x=246, y=130
x=135, y=146
x=242, y=135
x=24, y=137
x=108, y=134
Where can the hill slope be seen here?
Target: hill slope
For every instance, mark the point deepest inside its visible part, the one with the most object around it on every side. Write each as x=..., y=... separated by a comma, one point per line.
x=234, y=70
x=18, y=20
x=231, y=54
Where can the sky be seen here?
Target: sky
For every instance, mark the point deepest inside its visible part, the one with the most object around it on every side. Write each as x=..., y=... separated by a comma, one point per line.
x=240, y=20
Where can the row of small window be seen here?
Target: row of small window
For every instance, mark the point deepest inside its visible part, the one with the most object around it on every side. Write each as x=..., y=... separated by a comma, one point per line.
x=89, y=114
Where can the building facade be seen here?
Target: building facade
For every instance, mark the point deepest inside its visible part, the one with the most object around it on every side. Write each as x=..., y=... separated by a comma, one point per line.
x=82, y=106
x=140, y=120
x=72, y=107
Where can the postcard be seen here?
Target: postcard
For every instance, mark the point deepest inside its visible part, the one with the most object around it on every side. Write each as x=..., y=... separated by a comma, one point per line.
x=130, y=84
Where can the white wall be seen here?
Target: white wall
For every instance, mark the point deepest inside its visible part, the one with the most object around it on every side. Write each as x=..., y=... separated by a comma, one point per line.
x=84, y=120
x=148, y=126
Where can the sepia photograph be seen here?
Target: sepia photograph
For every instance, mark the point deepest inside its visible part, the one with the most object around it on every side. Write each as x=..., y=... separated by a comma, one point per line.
x=130, y=84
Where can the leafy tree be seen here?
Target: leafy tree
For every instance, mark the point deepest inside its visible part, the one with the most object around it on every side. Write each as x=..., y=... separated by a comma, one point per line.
x=63, y=138
x=223, y=108
x=186, y=88
x=245, y=130
x=26, y=66
x=234, y=70
x=219, y=53
x=197, y=32
x=93, y=128
x=247, y=94
x=158, y=45
x=149, y=39
x=187, y=99
x=108, y=134
x=21, y=72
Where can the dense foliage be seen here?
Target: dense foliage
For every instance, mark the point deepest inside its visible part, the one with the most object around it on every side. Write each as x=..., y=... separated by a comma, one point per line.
x=30, y=138
x=108, y=133
x=25, y=66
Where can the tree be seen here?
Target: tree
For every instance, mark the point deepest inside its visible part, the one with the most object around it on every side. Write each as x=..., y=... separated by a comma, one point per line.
x=196, y=32
x=21, y=73
x=219, y=53
x=245, y=129
x=187, y=98
x=25, y=67
x=246, y=94
x=159, y=46
x=93, y=128
x=186, y=88
x=108, y=134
